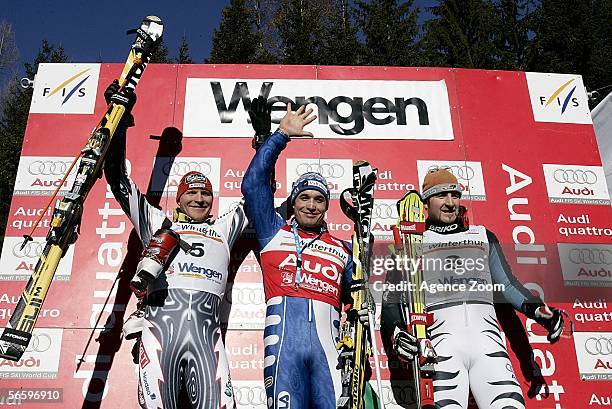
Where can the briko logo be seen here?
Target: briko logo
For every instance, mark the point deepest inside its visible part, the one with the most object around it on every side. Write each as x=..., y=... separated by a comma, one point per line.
x=558, y=98
x=562, y=97
x=65, y=89
x=70, y=86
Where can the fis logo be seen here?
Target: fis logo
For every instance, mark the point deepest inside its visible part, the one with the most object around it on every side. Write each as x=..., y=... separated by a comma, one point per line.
x=70, y=87
x=65, y=89
x=558, y=98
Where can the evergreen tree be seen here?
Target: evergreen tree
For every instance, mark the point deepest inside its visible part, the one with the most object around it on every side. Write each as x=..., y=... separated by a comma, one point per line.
x=340, y=45
x=183, y=52
x=15, y=108
x=575, y=37
x=390, y=29
x=515, y=49
x=301, y=28
x=160, y=54
x=235, y=41
x=8, y=49
x=461, y=34
x=600, y=71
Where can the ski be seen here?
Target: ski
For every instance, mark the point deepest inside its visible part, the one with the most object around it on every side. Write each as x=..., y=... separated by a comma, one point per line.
x=408, y=237
x=356, y=345
x=67, y=213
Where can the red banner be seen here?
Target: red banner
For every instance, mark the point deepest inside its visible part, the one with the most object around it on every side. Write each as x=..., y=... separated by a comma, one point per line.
x=521, y=144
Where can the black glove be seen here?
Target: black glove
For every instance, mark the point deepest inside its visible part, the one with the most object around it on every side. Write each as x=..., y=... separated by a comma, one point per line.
x=405, y=345
x=261, y=120
x=551, y=319
x=126, y=97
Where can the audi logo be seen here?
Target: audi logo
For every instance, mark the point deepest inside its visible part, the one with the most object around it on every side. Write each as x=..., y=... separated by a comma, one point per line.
x=246, y=296
x=327, y=170
x=590, y=256
x=32, y=249
x=180, y=168
x=49, y=168
x=39, y=343
x=250, y=395
x=384, y=211
x=581, y=177
x=463, y=172
x=598, y=345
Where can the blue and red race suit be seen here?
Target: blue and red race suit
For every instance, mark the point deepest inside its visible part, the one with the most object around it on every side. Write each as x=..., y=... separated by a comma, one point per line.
x=304, y=274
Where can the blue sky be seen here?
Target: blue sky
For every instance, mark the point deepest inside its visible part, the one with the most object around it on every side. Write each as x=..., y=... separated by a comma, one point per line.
x=90, y=31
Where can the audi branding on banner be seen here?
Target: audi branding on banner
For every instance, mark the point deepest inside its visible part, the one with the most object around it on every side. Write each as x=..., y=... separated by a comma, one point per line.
x=40, y=360
x=337, y=172
x=469, y=175
x=41, y=175
x=345, y=109
x=576, y=184
x=586, y=265
x=594, y=351
x=384, y=215
x=18, y=264
x=65, y=88
x=520, y=144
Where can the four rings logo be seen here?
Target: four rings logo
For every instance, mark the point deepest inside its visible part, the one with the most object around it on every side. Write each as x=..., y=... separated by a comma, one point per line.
x=594, y=353
x=180, y=168
x=327, y=170
x=384, y=211
x=469, y=175
x=246, y=295
x=19, y=263
x=38, y=174
x=39, y=342
x=581, y=177
x=50, y=168
x=463, y=172
x=250, y=396
x=590, y=256
x=32, y=249
x=167, y=172
x=337, y=172
x=598, y=345
x=576, y=184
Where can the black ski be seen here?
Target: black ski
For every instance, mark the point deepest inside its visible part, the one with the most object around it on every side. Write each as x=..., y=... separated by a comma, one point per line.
x=356, y=345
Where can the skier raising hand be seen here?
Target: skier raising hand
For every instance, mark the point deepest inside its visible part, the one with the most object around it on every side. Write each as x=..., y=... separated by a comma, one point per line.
x=181, y=348
x=306, y=273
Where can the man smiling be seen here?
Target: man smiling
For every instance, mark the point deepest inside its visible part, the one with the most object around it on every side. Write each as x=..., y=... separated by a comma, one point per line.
x=464, y=317
x=182, y=359
x=306, y=274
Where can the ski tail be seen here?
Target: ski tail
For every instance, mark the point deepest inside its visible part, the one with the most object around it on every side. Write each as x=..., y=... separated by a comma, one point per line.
x=408, y=235
x=67, y=214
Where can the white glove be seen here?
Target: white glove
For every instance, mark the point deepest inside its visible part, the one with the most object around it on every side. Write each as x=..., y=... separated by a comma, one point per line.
x=364, y=315
x=404, y=344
